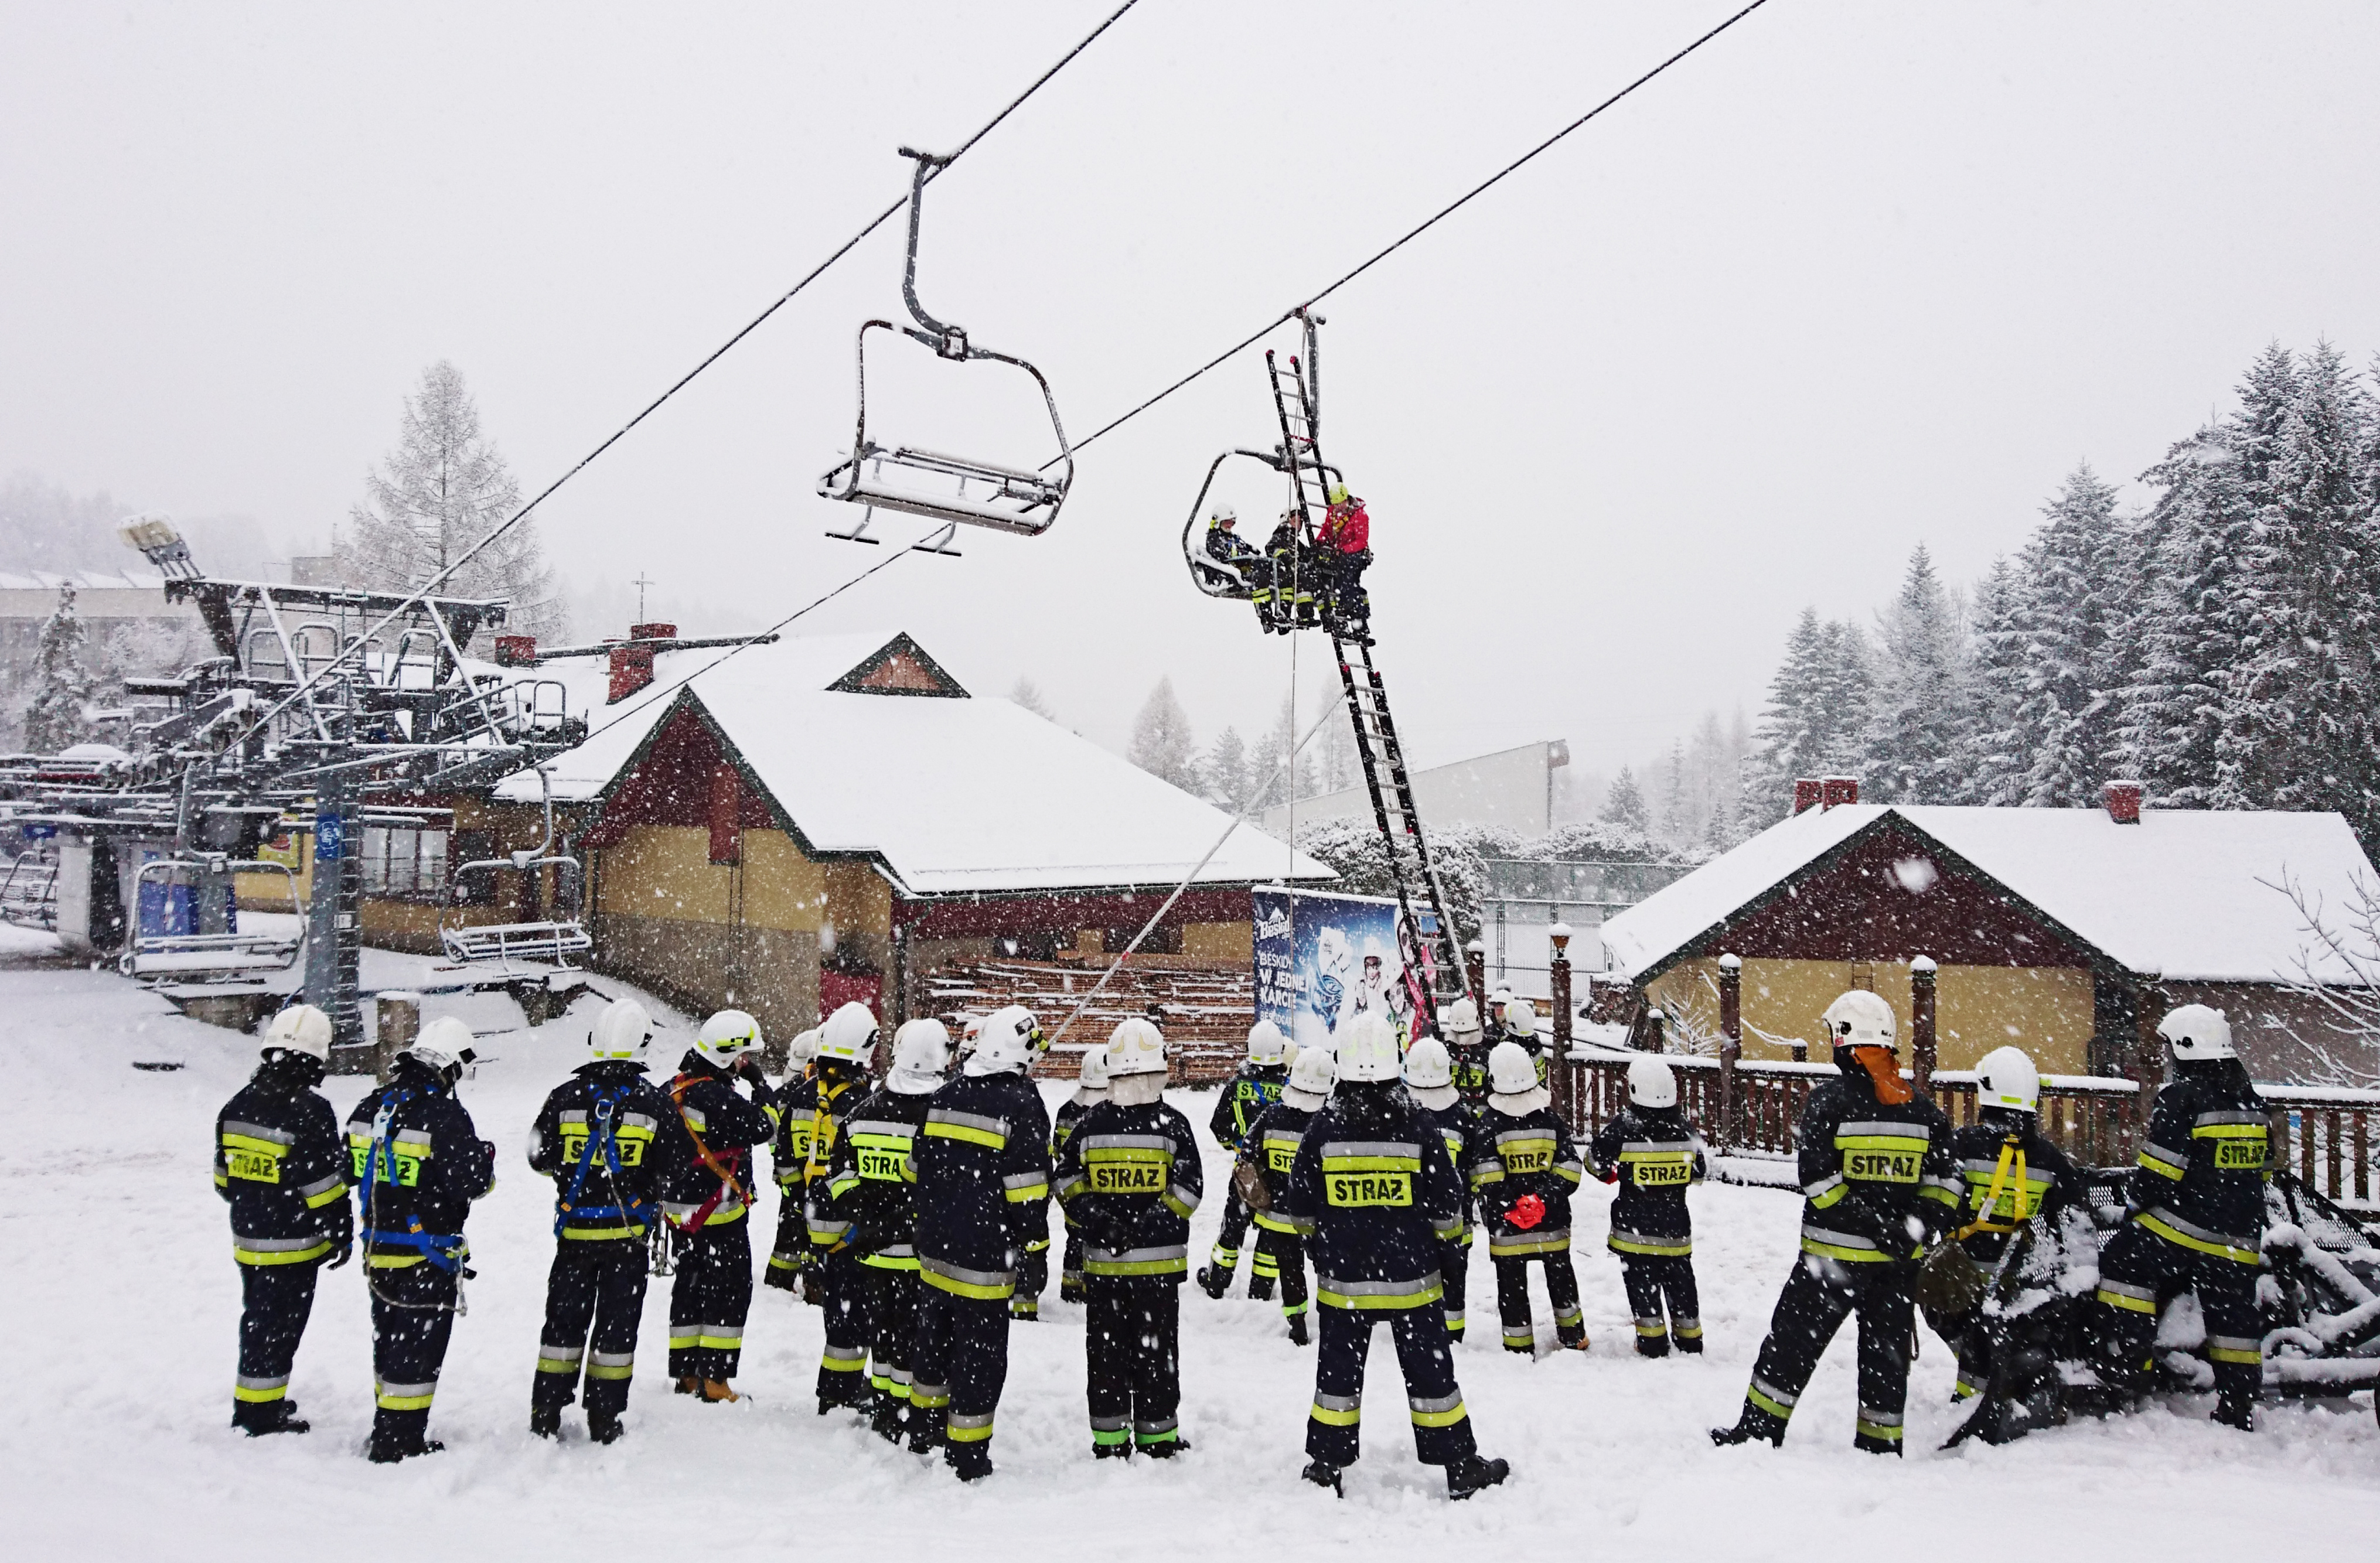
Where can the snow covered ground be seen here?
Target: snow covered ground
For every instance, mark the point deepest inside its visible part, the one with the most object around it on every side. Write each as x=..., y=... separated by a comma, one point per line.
x=121, y=1302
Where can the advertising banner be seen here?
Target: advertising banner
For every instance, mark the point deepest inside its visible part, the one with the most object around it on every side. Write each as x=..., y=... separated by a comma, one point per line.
x=1321, y=960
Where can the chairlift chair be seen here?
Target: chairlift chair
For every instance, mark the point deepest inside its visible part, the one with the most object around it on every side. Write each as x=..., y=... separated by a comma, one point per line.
x=551, y=942
x=158, y=946
x=939, y=485
x=1209, y=573
x=28, y=892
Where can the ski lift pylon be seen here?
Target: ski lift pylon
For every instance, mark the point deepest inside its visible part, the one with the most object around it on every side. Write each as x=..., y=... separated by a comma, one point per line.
x=552, y=941
x=959, y=490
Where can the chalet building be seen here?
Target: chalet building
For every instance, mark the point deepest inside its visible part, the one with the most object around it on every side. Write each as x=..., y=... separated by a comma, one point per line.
x=821, y=819
x=2066, y=931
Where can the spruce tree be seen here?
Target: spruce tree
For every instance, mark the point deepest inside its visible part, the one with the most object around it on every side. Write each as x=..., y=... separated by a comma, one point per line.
x=1789, y=741
x=61, y=681
x=2075, y=577
x=1162, y=741
x=1028, y=694
x=1623, y=804
x=1991, y=765
x=1226, y=771
x=1914, y=732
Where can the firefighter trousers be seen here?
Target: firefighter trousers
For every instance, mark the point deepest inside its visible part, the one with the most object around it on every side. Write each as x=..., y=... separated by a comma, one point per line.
x=1132, y=1341
x=962, y=1364
x=1562, y=1291
x=413, y=1315
x=791, y=1255
x=1070, y=1272
x=1454, y=1275
x=1234, y=1230
x=1651, y=1280
x=2140, y=1271
x=594, y=1302
x=710, y=1300
x=893, y=1320
x=275, y=1301
x=845, y=1287
x=1282, y=1256
x=1032, y=1279
x=1441, y=1425
x=1818, y=1296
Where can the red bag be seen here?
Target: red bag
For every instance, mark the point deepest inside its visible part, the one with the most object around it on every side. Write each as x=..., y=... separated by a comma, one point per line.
x=1527, y=1211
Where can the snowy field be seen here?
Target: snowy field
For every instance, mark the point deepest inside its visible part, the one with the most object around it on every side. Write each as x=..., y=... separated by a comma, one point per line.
x=122, y=1304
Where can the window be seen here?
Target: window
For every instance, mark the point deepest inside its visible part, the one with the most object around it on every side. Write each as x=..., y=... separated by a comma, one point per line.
x=403, y=861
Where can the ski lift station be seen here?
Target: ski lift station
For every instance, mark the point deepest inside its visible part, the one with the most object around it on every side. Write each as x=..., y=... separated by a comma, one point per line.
x=817, y=820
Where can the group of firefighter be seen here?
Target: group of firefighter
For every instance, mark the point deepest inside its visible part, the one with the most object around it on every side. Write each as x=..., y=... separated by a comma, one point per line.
x=914, y=1213
x=1297, y=582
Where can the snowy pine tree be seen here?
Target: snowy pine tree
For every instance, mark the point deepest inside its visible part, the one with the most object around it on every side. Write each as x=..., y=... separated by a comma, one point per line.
x=1161, y=742
x=1226, y=770
x=1920, y=711
x=1028, y=694
x=2076, y=572
x=1623, y=805
x=55, y=716
x=1991, y=769
x=443, y=488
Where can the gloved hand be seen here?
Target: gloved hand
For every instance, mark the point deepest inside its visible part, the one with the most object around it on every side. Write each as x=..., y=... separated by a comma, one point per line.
x=340, y=1256
x=1527, y=1212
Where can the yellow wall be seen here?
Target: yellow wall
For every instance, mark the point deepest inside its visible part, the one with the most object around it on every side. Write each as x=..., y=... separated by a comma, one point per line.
x=664, y=871
x=1220, y=941
x=782, y=887
x=2045, y=1010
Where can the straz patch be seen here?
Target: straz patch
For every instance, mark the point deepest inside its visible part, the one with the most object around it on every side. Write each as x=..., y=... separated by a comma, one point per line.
x=1664, y=1174
x=1281, y=1158
x=2241, y=1156
x=631, y=1152
x=1117, y=1177
x=253, y=1164
x=395, y=1166
x=1883, y=1166
x=1350, y=1191
x=884, y=1164
x=1519, y=1159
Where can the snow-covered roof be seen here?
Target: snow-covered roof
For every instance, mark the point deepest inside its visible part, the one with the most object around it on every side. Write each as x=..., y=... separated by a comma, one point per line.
x=2184, y=893
x=952, y=794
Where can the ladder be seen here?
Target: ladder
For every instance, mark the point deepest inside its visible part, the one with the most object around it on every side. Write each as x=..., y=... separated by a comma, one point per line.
x=1434, y=967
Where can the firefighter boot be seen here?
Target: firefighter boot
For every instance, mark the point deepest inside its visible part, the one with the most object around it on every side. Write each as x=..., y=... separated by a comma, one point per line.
x=1475, y=1474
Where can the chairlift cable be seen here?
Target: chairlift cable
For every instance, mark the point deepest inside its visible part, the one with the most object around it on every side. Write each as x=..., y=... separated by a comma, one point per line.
x=424, y=591
x=1439, y=216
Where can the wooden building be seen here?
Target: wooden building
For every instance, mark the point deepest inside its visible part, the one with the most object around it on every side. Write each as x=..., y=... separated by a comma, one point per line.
x=2066, y=931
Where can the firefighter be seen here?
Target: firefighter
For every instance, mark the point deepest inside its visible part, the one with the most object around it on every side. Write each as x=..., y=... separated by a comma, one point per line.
x=706, y=1195
x=1091, y=1089
x=1467, y=1049
x=846, y=1050
x=1343, y=547
x=789, y=1155
x=983, y=1191
x=1429, y=1080
x=1525, y=1172
x=2196, y=1220
x=1291, y=558
x=1375, y=1195
x=1237, y=558
x=872, y=1185
x=1879, y=1185
x=595, y=1137
x=1255, y=1085
x=280, y=1166
x=421, y=1164
x=1130, y=1177
x=1654, y=1155
x=1267, y=1161
x=1517, y=1023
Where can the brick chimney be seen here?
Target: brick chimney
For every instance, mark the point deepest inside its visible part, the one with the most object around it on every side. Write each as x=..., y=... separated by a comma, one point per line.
x=516, y=650
x=652, y=631
x=2123, y=802
x=1838, y=790
x=632, y=659
x=1808, y=791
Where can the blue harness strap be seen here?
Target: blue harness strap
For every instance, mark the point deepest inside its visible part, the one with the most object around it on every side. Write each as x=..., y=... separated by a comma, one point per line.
x=607, y=1099
x=443, y=1249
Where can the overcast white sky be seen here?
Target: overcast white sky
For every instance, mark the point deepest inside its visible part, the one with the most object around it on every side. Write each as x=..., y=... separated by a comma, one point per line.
x=1856, y=275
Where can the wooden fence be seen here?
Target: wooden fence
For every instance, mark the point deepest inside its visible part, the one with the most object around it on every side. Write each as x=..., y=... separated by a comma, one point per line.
x=1207, y=1005
x=2322, y=1134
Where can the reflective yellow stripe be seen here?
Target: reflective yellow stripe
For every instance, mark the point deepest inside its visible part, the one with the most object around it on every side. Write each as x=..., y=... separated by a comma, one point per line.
x=2118, y=1300
x=279, y=1256
x=1369, y=1300
x=2150, y=1220
x=957, y=1288
x=1781, y=1412
x=984, y=1137
x=1849, y=1255
x=1348, y=1418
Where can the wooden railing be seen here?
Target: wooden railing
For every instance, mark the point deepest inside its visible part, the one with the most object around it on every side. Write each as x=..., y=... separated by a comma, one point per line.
x=2322, y=1134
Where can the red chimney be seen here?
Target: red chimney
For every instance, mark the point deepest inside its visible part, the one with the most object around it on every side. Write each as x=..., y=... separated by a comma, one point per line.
x=2123, y=802
x=516, y=650
x=1808, y=792
x=652, y=631
x=1839, y=790
x=632, y=669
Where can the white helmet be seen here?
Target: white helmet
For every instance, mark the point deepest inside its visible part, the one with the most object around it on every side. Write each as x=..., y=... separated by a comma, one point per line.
x=1095, y=1067
x=802, y=1050
x=1265, y=1043
x=849, y=1034
x=1651, y=1083
x=1136, y=1046
x=1861, y=1019
x=1367, y=1050
x=1497, y=999
x=1428, y=1066
x=1511, y=1070
x=1223, y=511
x=2196, y=1032
x=301, y=1028
x=969, y=1034
x=1310, y=1078
x=1521, y=1018
x=1460, y=1021
x=2006, y=1078
x=922, y=1050
x=1006, y=1043
x=444, y=1044
x=621, y=1033
x=727, y=1036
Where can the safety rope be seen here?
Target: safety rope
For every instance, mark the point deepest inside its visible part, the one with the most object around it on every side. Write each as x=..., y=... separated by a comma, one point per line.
x=432, y=585
x=1424, y=227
